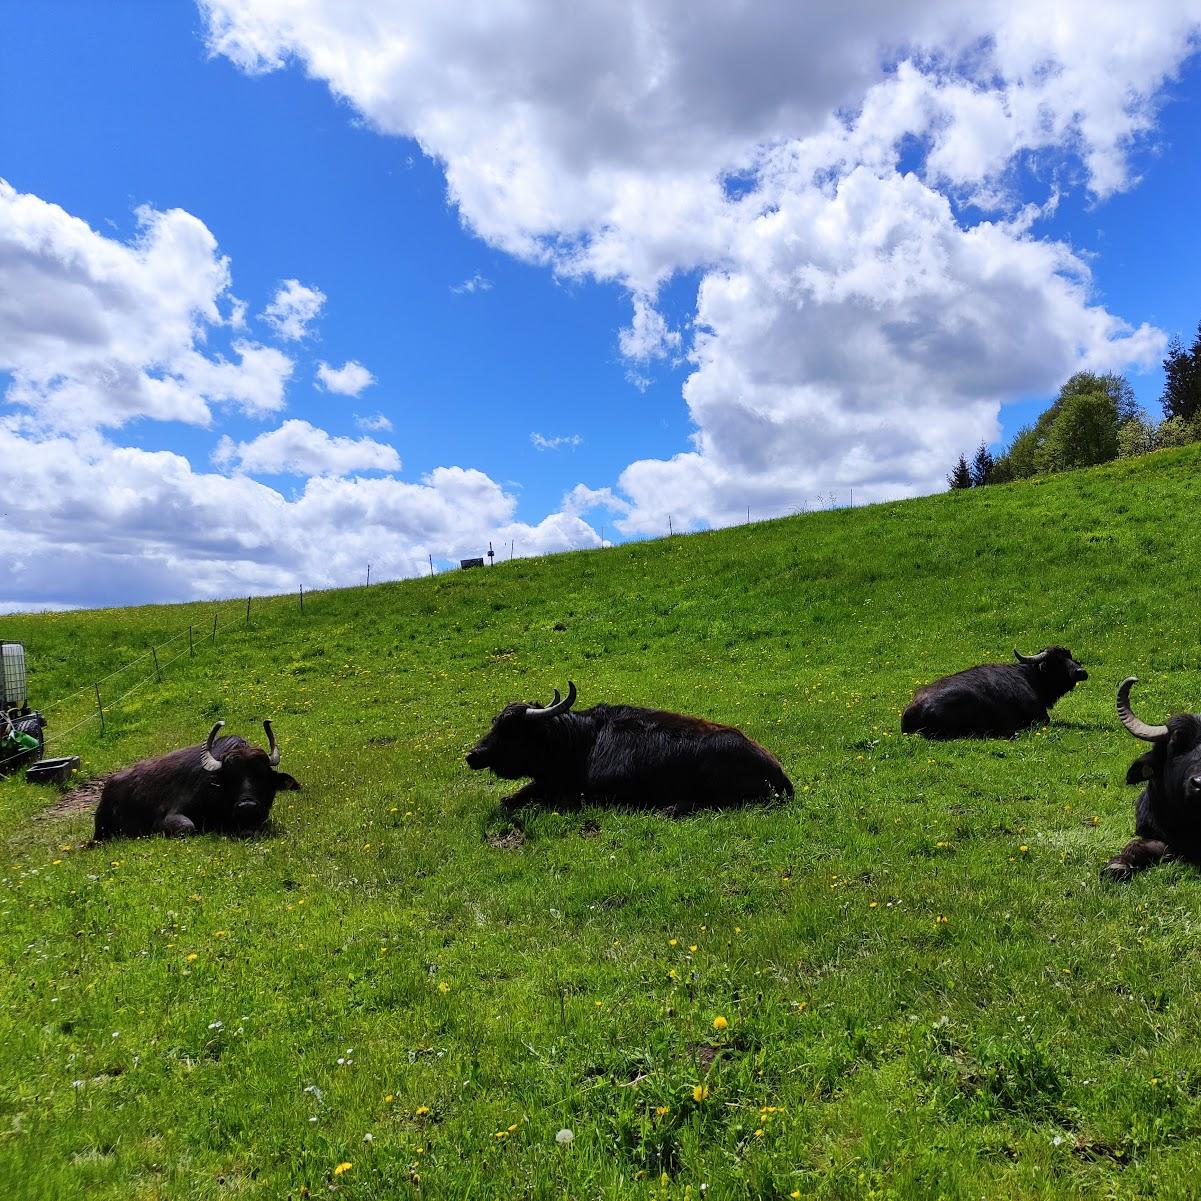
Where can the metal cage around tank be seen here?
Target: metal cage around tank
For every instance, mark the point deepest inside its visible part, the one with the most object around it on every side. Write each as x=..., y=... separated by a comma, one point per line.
x=14, y=686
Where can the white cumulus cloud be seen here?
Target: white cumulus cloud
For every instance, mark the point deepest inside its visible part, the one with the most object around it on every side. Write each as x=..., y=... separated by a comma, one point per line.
x=298, y=448
x=350, y=379
x=849, y=183
x=96, y=332
x=293, y=309
x=143, y=526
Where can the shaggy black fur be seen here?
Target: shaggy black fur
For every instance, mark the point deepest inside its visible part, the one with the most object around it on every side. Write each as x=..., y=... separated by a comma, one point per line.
x=627, y=755
x=995, y=700
x=174, y=794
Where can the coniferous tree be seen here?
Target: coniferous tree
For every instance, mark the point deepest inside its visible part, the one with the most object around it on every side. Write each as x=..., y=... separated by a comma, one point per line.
x=961, y=475
x=982, y=466
x=1182, y=380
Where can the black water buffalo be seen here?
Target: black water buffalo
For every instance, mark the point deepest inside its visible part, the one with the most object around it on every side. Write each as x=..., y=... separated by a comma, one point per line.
x=995, y=700
x=1167, y=814
x=221, y=784
x=626, y=755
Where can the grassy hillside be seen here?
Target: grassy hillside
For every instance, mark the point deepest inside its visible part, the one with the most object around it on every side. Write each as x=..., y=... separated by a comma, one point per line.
x=927, y=990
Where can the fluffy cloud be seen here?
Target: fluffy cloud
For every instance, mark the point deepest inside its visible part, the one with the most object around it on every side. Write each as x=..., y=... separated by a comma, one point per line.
x=293, y=309
x=298, y=448
x=848, y=181
x=96, y=332
x=145, y=526
x=350, y=379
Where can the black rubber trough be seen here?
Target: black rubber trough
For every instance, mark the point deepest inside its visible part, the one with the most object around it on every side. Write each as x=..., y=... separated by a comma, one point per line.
x=51, y=771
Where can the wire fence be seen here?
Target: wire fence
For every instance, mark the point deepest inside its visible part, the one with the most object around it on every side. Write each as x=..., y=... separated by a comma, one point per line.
x=105, y=706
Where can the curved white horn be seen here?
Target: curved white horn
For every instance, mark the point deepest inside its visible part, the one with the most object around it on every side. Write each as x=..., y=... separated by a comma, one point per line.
x=556, y=706
x=1136, y=725
x=274, y=749
x=208, y=760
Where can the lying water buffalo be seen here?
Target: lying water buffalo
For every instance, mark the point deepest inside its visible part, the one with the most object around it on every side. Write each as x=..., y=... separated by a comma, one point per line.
x=995, y=700
x=1167, y=819
x=625, y=754
x=221, y=784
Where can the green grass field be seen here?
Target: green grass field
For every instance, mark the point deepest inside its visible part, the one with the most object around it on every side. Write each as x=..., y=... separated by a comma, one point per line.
x=926, y=989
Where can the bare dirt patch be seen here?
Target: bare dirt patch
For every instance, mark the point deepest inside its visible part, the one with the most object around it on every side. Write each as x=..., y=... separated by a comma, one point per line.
x=509, y=840
x=83, y=798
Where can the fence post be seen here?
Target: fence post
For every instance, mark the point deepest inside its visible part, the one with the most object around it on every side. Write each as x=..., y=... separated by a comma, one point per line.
x=157, y=669
x=302, y=598
x=191, y=644
x=100, y=706
x=248, y=610
x=214, y=629
x=431, y=564
x=368, y=575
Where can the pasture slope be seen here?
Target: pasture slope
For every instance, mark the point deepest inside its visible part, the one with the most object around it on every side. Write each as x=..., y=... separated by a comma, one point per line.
x=926, y=989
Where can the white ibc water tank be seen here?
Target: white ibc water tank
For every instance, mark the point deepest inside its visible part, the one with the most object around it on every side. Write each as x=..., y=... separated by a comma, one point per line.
x=14, y=692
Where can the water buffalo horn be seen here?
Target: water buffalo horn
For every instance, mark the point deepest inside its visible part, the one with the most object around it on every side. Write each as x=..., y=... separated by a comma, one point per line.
x=208, y=760
x=1135, y=725
x=1030, y=658
x=274, y=760
x=556, y=706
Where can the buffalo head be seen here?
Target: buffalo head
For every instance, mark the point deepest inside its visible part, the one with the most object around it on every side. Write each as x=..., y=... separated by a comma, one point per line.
x=513, y=746
x=246, y=779
x=1172, y=768
x=1056, y=666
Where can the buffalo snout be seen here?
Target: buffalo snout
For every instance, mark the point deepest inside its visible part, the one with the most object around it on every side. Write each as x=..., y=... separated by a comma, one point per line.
x=476, y=758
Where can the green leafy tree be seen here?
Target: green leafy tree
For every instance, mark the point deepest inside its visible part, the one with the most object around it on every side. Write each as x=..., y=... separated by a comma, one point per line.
x=1135, y=437
x=1175, y=431
x=1084, y=432
x=1019, y=462
x=961, y=475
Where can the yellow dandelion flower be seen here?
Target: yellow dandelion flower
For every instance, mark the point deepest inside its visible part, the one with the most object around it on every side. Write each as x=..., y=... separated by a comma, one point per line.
x=700, y=1092
x=671, y=942
x=421, y=1110
x=388, y=1099
x=941, y=920
x=796, y=1192
x=873, y=904
x=56, y=862
x=1024, y=849
x=692, y=949
x=443, y=987
x=193, y=957
x=720, y=1023
x=513, y=1127
x=662, y=1111
x=342, y=1167
x=759, y=1133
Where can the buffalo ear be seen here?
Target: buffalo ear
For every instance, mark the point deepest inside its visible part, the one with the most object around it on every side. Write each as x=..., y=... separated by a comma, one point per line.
x=284, y=782
x=1143, y=768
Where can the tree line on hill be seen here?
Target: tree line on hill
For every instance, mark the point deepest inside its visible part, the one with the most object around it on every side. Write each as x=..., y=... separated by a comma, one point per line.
x=1094, y=419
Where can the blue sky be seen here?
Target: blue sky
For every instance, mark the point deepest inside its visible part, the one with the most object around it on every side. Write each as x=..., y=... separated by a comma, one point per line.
x=864, y=303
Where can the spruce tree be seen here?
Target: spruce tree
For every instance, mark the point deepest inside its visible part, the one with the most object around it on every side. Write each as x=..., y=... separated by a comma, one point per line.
x=961, y=474
x=982, y=466
x=1182, y=380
